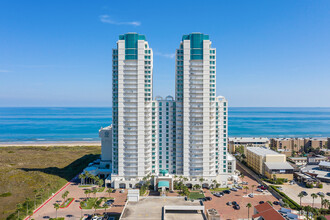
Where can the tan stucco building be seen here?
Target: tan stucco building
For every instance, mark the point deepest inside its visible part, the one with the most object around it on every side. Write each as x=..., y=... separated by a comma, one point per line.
x=268, y=162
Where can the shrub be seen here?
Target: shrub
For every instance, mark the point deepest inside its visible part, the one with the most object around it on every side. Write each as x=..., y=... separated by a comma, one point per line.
x=321, y=218
x=309, y=185
x=320, y=185
x=287, y=199
x=5, y=194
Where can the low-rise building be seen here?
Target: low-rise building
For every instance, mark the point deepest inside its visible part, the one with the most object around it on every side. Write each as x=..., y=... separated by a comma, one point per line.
x=280, y=170
x=316, y=159
x=300, y=161
x=266, y=212
x=256, y=156
x=268, y=162
x=290, y=146
x=247, y=142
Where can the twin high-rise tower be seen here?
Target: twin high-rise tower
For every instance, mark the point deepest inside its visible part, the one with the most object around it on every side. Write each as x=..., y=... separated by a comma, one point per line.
x=186, y=136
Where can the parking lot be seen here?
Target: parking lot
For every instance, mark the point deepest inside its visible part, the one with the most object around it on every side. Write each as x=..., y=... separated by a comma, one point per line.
x=241, y=197
x=73, y=211
x=293, y=190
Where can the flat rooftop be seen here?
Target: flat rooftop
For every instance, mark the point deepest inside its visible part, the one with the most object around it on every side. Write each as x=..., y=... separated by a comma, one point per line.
x=249, y=139
x=152, y=208
x=278, y=165
x=262, y=151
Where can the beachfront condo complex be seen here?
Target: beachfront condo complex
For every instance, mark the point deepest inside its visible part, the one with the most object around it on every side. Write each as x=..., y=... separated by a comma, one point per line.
x=185, y=136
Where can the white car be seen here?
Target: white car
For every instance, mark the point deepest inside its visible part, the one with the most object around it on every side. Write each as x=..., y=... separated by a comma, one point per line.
x=251, y=195
x=259, y=190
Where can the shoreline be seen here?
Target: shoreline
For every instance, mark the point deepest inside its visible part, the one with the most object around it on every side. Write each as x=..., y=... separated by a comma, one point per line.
x=50, y=143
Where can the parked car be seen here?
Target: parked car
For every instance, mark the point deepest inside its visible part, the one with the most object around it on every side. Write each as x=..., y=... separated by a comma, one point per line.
x=226, y=191
x=276, y=202
x=233, y=189
x=217, y=194
x=228, y=203
x=264, y=187
x=237, y=207
x=320, y=193
x=239, y=187
x=109, y=202
x=245, y=183
x=304, y=193
x=251, y=195
x=208, y=198
x=328, y=193
x=234, y=203
x=259, y=190
x=261, y=202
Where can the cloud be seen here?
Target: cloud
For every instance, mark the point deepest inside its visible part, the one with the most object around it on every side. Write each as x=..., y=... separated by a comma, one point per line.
x=167, y=55
x=5, y=71
x=106, y=19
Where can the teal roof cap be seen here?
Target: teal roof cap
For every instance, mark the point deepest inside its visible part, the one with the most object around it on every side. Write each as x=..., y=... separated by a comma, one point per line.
x=195, y=34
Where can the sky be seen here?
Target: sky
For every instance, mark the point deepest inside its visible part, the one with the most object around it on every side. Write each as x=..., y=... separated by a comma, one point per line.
x=273, y=53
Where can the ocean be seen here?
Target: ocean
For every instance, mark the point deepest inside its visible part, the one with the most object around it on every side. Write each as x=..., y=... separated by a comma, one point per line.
x=82, y=124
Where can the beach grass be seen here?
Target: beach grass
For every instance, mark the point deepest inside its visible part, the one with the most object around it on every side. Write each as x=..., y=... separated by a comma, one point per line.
x=26, y=170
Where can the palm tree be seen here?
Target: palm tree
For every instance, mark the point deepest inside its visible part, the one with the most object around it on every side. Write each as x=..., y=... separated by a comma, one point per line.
x=82, y=177
x=105, y=206
x=86, y=192
x=81, y=205
x=201, y=180
x=314, y=196
x=242, y=177
x=100, y=182
x=109, y=191
x=94, y=191
x=97, y=204
x=308, y=209
x=246, y=188
x=253, y=187
x=249, y=206
x=300, y=195
x=18, y=208
x=214, y=183
x=63, y=197
x=322, y=197
x=325, y=203
x=56, y=206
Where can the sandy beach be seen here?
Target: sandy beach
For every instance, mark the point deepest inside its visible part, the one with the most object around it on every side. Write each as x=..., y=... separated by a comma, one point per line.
x=50, y=144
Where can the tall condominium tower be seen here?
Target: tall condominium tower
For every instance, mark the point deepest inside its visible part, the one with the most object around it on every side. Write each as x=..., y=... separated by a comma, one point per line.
x=132, y=106
x=196, y=105
x=185, y=136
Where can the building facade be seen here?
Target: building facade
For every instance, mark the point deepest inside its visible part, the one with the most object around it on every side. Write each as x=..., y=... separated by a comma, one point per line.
x=186, y=136
x=247, y=142
x=267, y=162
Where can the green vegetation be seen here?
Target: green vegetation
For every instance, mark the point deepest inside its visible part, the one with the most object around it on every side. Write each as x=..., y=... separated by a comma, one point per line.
x=286, y=199
x=66, y=203
x=196, y=195
x=220, y=189
x=32, y=174
x=101, y=189
x=5, y=194
x=94, y=203
x=278, y=181
x=85, y=186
